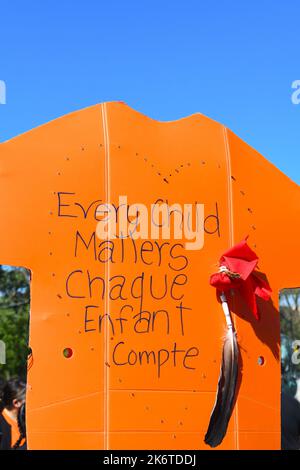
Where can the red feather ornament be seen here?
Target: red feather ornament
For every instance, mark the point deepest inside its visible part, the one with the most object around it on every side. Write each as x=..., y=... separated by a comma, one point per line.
x=236, y=271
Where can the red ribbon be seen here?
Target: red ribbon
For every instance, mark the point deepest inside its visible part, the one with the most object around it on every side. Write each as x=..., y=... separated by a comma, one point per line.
x=241, y=260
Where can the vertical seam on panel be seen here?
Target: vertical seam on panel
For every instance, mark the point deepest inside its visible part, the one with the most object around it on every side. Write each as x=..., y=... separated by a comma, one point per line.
x=231, y=241
x=107, y=276
x=229, y=187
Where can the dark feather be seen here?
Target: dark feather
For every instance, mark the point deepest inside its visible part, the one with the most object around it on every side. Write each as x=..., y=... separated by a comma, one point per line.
x=225, y=398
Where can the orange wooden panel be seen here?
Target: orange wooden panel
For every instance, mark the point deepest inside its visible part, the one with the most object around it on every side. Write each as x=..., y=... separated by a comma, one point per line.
x=166, y=441
x=62, y=441
x=60, y=156
x=265, y=206
x=259, y=441
x=95, y=399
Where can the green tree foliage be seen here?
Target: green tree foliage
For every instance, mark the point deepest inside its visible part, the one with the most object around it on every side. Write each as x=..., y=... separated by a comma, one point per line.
x=290, y=313
x=14, y=319
x=290, y=331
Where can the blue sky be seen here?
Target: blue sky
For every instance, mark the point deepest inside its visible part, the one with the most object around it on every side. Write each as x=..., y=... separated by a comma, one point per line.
x=234, y=61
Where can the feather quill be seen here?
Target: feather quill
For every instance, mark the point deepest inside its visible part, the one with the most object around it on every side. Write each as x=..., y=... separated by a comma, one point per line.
x=227, y=384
